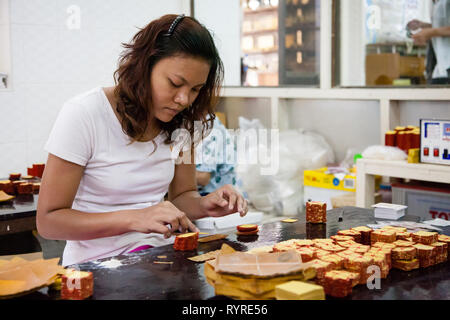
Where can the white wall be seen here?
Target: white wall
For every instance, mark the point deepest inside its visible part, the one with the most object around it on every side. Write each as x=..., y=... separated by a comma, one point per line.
x=5, y=51
x=344, y=124
x=352, y=46
x=410, y=112
x=51, y=63
x=223, y=18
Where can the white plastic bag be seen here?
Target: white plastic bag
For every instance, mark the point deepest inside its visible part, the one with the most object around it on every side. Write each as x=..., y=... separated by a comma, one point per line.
x=384, y=153
x=282, y=191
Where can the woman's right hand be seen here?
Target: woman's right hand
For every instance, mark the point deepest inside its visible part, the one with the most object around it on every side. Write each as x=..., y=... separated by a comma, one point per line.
x=163, y=218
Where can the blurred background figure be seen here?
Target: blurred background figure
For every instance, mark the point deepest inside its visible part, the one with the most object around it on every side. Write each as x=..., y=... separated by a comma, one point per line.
x=215, y=158
x=437, y=35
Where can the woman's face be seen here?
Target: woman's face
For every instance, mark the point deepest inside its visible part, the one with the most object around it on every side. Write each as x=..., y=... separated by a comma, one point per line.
x=175, y=84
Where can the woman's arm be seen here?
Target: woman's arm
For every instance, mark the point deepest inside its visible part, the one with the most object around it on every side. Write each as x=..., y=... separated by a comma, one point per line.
x=416, y=24
x=56, y=220
x=202, y=177
x=425, y=35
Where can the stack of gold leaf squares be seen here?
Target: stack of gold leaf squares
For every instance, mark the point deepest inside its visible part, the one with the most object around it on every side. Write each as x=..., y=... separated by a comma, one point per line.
x=242, y=275
x=18, y=276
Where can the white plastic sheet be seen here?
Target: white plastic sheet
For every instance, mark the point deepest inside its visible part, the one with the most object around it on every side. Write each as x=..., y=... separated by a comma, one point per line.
x=282, y=191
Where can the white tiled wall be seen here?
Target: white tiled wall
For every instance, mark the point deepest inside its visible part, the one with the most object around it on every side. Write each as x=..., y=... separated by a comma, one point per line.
x=51, y=63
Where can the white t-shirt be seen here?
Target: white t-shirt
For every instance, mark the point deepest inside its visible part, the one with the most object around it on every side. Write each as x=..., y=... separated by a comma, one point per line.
x=118, y=175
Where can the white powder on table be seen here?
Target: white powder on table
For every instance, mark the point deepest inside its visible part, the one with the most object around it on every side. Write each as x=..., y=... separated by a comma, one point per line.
x=113, y=263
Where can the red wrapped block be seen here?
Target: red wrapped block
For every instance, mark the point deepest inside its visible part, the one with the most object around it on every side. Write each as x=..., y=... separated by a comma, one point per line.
x=403, y=253
x=359, y=248
x=332, y=248
x=285, y=245
x=424, y=251
x=379, y=259
x=321, y=241
x=25, y=188
x=77, y=285
x=425, y=237
x=395, y=229
x=16, y=185
x=440, y=247
x=321, y=267
x=316, y=212
x=14, y=176
x=359, y=264
x=406, y=265
x=36, y=187
x=346, y=254
x=38, y=169
x=441, y=251
x=346, y=244
x=304, y=243
x=403, y=243
x=186, y=241
x=387, y=251
x=336, y=261
x=292, y=244
x=247, y=227
x=306, y=253
x=7, y=186
x=442, y=238
x=384, y=245
x=356, y=235
x=441, y=258
x=339, y=238
x=365, y=234
x=403, y=235
x=339, y=283
x=319, y=253
x=383, y=235
x=427, y=262
x=31, y=172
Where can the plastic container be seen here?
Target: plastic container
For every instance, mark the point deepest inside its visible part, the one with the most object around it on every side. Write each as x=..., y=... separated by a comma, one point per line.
x=386, y=193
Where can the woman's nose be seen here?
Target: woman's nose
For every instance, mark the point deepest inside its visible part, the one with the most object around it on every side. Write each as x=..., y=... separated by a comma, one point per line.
x=182, y=99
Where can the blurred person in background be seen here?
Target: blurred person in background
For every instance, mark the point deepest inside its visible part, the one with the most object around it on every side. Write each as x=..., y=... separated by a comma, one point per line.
x=437, y=36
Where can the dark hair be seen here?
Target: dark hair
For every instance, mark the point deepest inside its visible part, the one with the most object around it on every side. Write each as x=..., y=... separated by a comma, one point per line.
x=150, y=45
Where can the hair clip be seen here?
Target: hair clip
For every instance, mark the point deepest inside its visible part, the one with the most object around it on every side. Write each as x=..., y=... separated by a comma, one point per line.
x=174, y=25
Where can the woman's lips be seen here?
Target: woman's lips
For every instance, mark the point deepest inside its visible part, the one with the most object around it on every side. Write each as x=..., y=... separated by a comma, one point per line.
x=172, y=111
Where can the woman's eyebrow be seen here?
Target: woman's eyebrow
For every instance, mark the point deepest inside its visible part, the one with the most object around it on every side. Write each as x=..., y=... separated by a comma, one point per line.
x=185, y=81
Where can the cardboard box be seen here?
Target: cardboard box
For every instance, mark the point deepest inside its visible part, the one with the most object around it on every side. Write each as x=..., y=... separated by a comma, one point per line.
x=320, y=179
x=384, y=68
x=320, y=186
x=222, y=117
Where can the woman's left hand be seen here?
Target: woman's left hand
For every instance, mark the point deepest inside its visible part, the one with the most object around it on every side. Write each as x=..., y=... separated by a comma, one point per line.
x=224, y=201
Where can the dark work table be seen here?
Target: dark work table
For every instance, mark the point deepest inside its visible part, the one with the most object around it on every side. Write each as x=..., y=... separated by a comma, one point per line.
x=139, y=278
x=17, y=221
x=22, y=206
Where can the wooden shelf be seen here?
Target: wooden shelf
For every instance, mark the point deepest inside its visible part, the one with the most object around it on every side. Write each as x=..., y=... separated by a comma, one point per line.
x=261, y=51
x=366, y=169
x=261, y=10
x=255, y=32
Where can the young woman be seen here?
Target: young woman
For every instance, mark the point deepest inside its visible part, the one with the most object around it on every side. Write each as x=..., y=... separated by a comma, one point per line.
x=112, y=152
